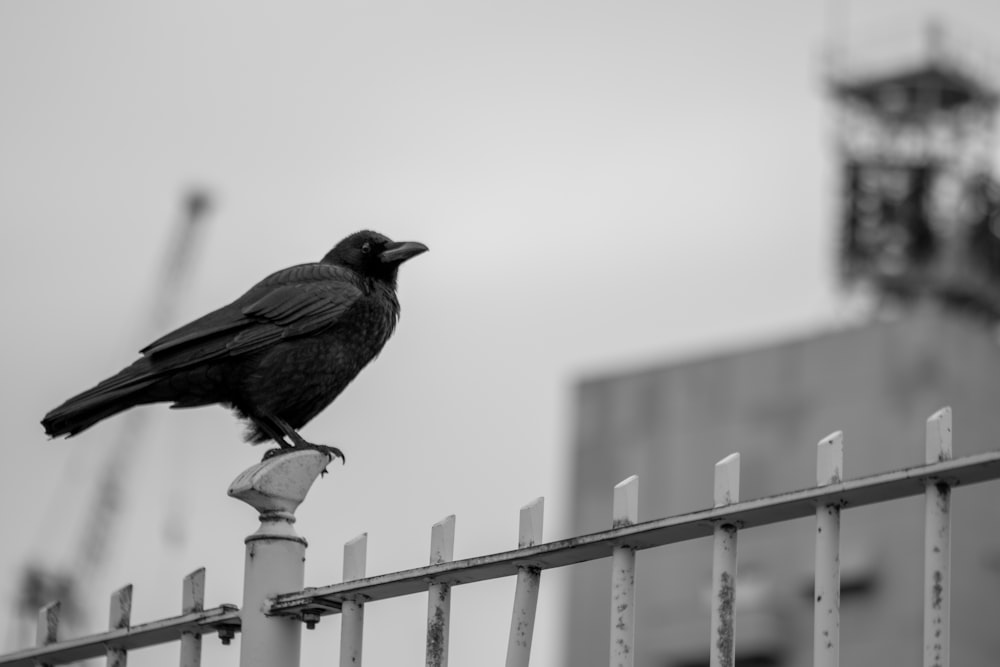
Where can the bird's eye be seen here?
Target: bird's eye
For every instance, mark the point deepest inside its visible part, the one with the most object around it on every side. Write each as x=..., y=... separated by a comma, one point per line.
x=366, y=248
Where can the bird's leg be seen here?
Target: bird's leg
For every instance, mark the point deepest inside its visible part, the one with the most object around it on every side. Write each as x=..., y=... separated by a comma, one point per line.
x=268, y=426
x=302, y=443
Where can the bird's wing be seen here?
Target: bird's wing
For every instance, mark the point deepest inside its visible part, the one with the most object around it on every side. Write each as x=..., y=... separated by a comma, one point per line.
x=292, y=310
x=218, y=322
x=294, y=302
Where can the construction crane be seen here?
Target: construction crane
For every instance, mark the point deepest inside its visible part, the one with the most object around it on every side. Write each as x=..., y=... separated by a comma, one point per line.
x=41, y=584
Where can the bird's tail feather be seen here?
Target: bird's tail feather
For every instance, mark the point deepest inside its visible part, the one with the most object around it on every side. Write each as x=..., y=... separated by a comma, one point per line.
x=120, y=392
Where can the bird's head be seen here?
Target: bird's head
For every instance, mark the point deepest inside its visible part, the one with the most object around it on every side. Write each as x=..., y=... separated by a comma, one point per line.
x=373, y=255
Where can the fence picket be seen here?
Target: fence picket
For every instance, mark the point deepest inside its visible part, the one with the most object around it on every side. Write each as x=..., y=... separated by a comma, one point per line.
x=192, y=600
x=47, y=631
x=119, y=618
x=722, y=651
x=625, y=512
x=937, y=545
x=826, y=598
x=352, y=621
x=275, y=604
x=522, y=622
x=439, y=594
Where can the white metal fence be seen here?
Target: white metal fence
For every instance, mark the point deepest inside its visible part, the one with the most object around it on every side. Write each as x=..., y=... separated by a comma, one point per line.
x=270, y=624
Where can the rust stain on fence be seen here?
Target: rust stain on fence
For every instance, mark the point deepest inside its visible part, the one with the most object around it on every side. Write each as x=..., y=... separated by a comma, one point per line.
x=525, y=616
x=724, y=640
x=943, y=498
x=435, y=636
x=936, y=591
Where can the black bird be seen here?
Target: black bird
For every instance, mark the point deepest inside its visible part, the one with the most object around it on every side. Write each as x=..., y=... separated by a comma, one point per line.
x=278, y=355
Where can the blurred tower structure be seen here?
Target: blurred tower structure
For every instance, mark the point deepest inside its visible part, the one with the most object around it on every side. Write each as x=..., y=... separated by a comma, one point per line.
x=920, y=228
x=921, y=209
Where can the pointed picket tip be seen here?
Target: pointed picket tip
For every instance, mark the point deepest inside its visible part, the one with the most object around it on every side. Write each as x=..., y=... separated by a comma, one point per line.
x=355, y=557
x=830, y=459
x=356, y=542
x=529, y=530
x=48, y=624
x=938, y=441
x=625, y=506
x=443, y=540
x=727, y=480
x=193, y=595
x=120, y=615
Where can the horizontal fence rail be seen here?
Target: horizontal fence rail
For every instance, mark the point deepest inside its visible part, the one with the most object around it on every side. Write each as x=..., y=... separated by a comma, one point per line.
x=747, y=514
x=276, y=486
x=224, y=619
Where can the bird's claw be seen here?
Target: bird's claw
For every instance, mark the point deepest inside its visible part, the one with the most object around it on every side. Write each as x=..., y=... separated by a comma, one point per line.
x=333, y=452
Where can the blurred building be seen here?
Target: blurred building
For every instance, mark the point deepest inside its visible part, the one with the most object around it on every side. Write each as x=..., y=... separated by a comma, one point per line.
x=921, y=245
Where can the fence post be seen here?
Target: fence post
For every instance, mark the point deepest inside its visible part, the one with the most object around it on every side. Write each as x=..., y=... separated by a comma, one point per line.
x=192, y=600
x=625, y=512
x=275, y=554
x=119, y=618
x=937, y=546
x=722, y=652
x=439, y=594
x=352, y=612
x=522, y=621
x=48, y=627
x=826, y=593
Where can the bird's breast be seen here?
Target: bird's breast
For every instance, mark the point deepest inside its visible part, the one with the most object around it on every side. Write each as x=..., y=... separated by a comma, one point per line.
x=335, y=355
x=300, y=376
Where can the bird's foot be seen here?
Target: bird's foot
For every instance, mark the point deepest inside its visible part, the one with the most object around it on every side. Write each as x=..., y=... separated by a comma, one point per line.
x=333, y=452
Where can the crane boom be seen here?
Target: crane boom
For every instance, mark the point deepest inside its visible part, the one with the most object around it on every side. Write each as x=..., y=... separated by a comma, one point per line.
x=40, y=585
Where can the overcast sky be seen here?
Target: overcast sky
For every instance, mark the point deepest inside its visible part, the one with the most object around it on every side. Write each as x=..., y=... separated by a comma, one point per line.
x=602, y=185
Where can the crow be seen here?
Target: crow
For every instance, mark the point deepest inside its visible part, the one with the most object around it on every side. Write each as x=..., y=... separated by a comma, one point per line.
x=277, y=356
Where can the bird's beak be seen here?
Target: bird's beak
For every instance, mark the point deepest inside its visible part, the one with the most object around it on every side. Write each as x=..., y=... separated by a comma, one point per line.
x=400, y=251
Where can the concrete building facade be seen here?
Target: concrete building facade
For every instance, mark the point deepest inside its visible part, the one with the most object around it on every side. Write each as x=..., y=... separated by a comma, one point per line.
x=878, y=383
